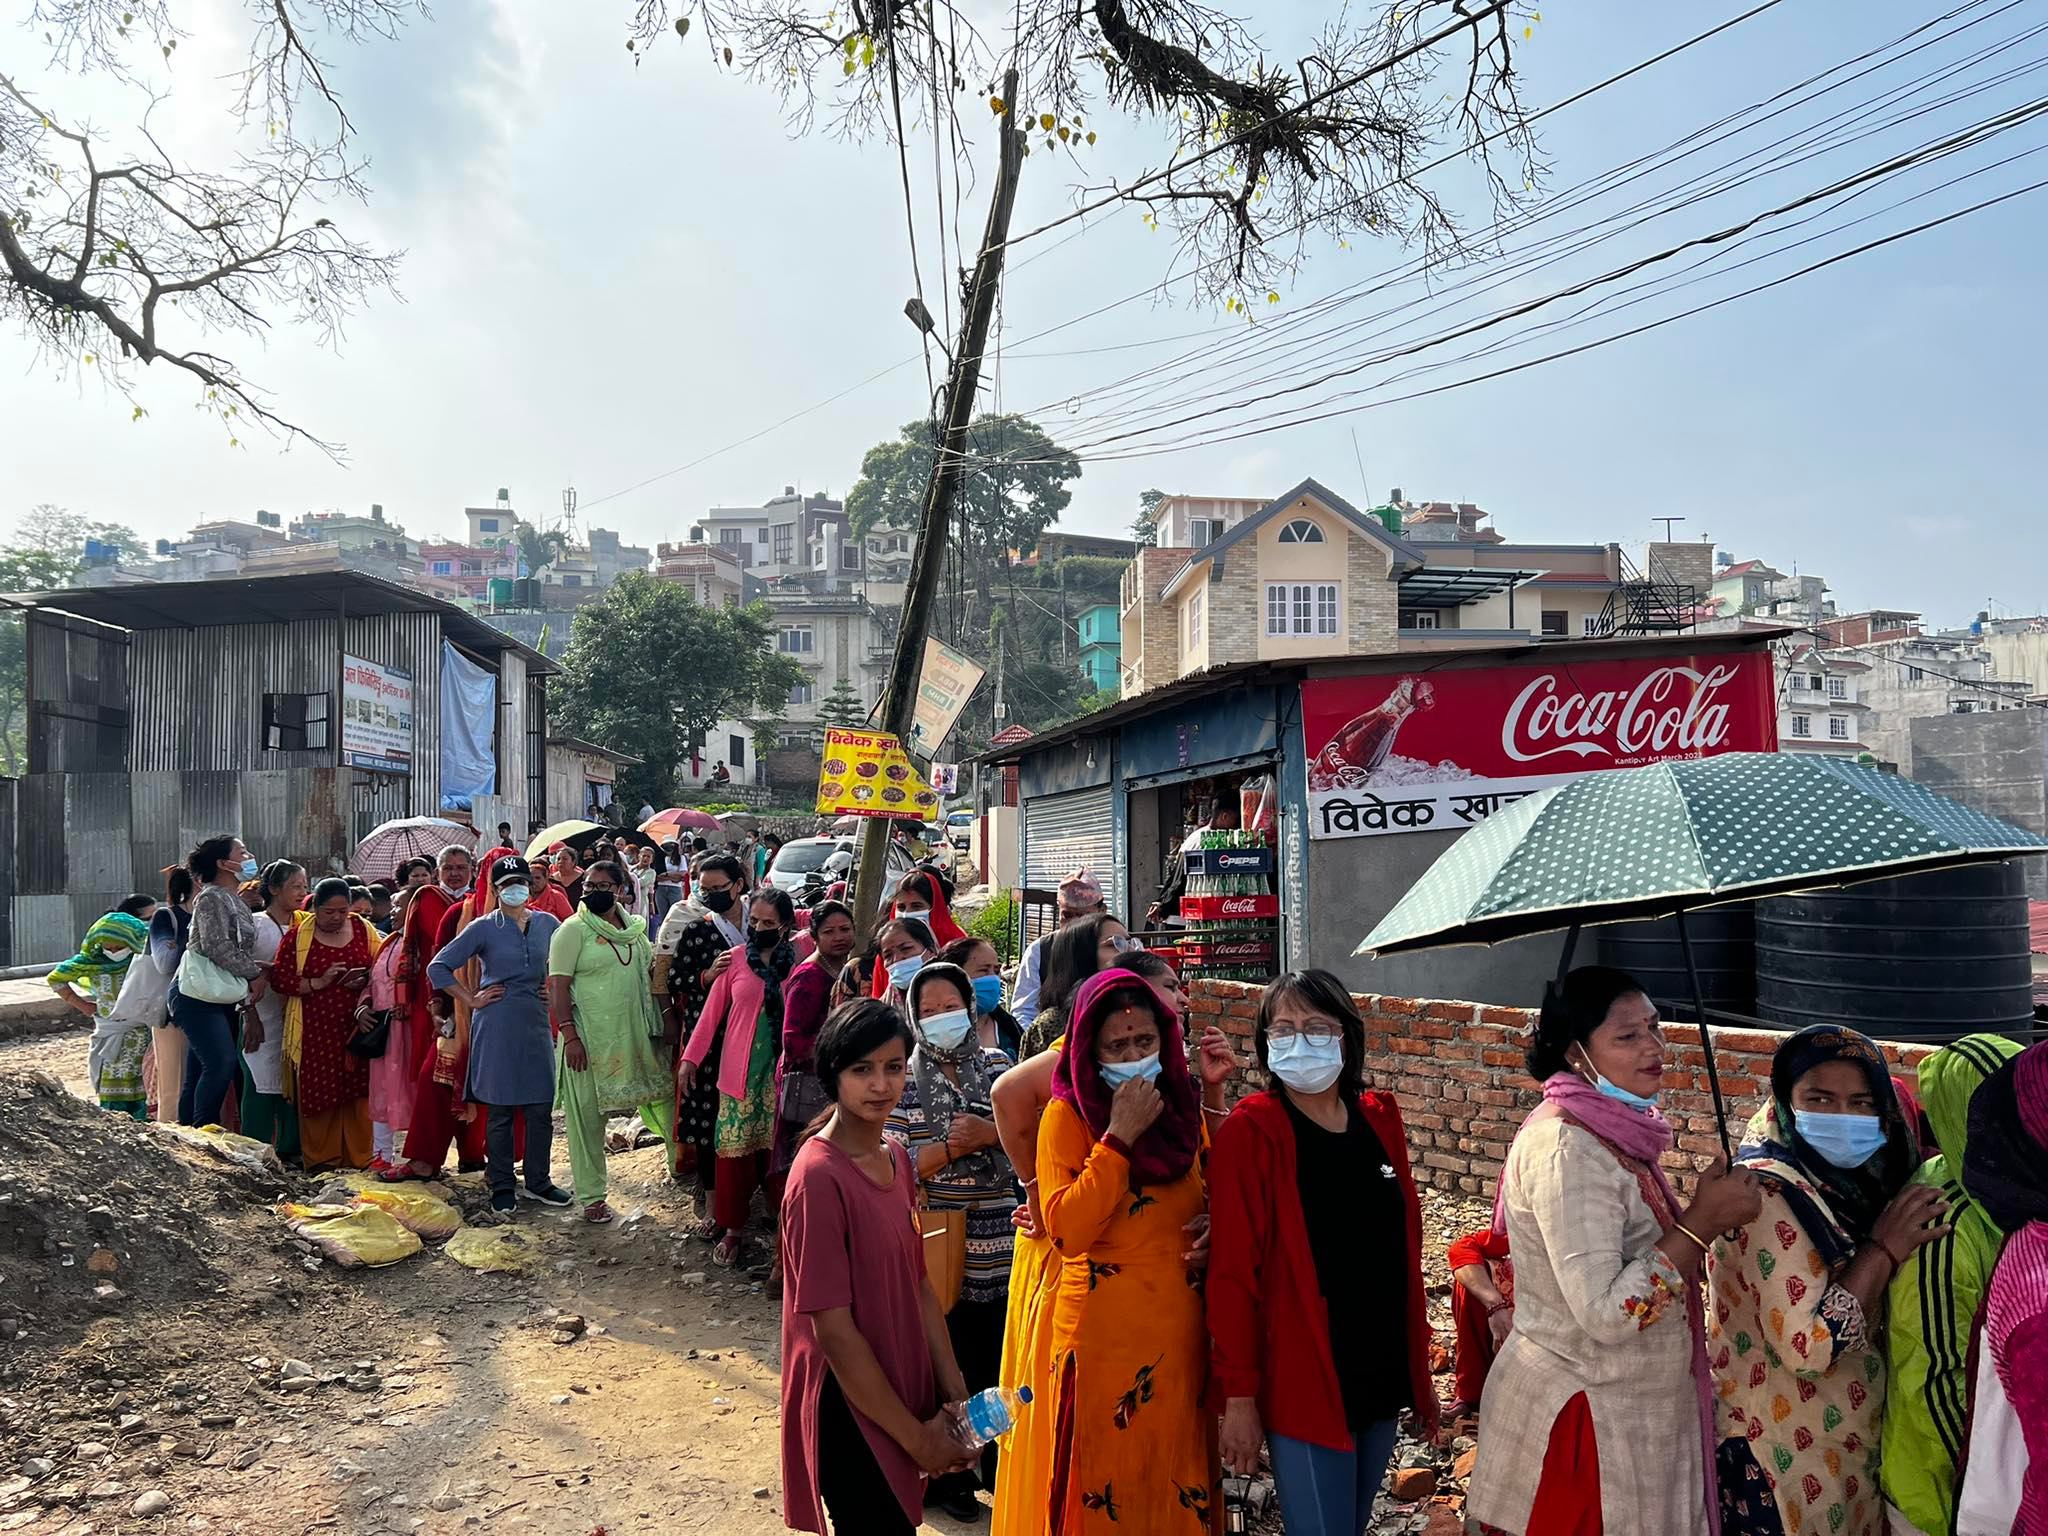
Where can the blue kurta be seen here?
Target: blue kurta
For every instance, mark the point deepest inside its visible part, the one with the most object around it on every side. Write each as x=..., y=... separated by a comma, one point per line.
x=511, y=1052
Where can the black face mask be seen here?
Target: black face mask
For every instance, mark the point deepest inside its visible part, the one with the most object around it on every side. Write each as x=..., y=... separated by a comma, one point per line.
x=600, y=901
x=764, y=938
x=718, y=901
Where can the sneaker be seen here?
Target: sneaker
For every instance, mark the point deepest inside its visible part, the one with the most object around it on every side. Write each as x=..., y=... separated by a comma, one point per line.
x=505, y=1204
x=554, y=1194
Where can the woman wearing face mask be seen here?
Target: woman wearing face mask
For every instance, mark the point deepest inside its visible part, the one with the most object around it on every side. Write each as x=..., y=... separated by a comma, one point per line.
x=119, y=1043
x=267, y=1115
x=992, y=1021
x=946, y=1119
x=918, y=895
x=611, y=1057
x=1317, y=1251
x=321, y=970
x=903, y=948
x=511, y=1062
x=742, y=1018
x=699, y=940
x=1120, y=1178
x=807, y=997
x=1077, y=952
x=1598, y=1411
x=1798, y=1292
x=224, y=932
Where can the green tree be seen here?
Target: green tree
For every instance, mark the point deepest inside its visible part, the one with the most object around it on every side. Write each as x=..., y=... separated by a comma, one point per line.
x=538, y=550
x=1145, y=526
x=649, y=670
x=49, y=529
x=1013, y=489
x=842, y=707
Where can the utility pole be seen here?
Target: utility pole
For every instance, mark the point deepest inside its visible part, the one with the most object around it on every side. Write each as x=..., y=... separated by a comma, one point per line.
x=927, y=558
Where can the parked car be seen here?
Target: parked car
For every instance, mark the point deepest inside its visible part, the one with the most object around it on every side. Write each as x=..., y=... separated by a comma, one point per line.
x=960, y=828
x=802, y=862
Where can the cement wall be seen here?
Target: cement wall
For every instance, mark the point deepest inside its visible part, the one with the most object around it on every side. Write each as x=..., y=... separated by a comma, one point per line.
x=1995, y=762
x=1354, y=882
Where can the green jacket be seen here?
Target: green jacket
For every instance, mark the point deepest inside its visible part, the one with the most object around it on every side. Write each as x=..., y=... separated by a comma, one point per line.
x=1933, y=1302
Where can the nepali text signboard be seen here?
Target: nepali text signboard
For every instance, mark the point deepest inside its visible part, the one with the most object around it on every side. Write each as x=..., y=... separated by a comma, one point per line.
x=867, y=773
x=944, y=685
x=376, y=716
x=1441, y=751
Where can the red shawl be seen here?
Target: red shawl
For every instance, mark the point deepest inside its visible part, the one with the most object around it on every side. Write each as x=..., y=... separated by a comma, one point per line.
x=1166, y=1151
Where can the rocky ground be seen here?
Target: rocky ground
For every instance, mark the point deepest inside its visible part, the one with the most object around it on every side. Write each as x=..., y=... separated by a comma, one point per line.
x=172, y=1358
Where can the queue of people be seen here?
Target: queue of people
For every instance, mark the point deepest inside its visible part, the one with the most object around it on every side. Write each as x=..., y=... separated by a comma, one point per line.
x=1836, y=1334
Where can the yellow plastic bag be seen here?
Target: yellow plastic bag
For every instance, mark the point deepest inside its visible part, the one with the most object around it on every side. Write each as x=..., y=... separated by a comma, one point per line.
x=416, y=1210
x=352, y=1236
x=501, y=1250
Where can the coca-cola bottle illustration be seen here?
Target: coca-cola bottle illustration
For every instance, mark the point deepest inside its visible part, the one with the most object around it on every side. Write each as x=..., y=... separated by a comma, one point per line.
x=1356, y=752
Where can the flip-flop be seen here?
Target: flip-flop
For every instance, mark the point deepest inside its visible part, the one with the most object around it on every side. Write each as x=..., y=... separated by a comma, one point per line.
x=727, y=1251
x=707, y=1231
x=597, y=1213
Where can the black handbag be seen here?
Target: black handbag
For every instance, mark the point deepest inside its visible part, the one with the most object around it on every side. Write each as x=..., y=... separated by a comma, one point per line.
x=371, y=1043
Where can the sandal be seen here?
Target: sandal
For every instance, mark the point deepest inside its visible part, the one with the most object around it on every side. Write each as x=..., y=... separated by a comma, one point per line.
x=727, y=1251
x=707, y=1231
x=597, y=1213
x=400, y=1173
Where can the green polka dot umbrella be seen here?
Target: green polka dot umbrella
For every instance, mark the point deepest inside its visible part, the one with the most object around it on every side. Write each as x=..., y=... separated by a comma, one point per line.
x=1670, y=838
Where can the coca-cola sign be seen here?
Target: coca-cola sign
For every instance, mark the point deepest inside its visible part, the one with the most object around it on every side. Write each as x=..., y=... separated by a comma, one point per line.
x=1439, y=751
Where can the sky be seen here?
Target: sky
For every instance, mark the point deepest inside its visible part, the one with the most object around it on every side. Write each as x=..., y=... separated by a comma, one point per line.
x=621, y=279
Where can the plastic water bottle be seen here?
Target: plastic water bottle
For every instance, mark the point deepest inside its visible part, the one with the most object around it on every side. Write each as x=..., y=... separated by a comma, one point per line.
x=992, y=1411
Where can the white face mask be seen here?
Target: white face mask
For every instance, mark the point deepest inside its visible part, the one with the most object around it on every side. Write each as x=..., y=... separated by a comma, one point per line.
x=946, y=1031
x=1305, y=1065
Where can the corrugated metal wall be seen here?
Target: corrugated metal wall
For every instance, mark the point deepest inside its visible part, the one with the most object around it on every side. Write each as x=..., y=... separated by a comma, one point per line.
x=511, y=726
x=78, y=696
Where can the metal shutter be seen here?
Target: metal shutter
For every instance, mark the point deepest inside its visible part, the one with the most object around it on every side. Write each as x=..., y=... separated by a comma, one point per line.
x=1063, y=833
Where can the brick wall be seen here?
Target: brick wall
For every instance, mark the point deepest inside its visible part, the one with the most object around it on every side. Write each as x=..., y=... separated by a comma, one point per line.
x=1372, y=597
x=1151, y=640
x=1457, y=1069
x=1235, y=617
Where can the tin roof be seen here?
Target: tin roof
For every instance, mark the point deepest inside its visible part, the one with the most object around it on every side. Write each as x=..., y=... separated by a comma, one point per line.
x=282, y=599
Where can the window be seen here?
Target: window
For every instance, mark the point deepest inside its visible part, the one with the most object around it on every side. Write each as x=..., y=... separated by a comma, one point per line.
x=736, y=752
x=1194, y=611
x=1301, y=608
x=1802, y=725
x=294, y=722
x=1965, y=707
x=1799, y=682
x=1200, y=531
x=1915, y=675
x=849, y=557
x=732, y=535
x=761, y=535
x=1589, y=626
x=1814, y=682
x=1301, y=531
x=572, y=581
x=802, y=693
x=785, y=544
x=1420, y=618
x=1838, y=728
x=487, y=525
x=794, y=641
x=1838, y=688
x=444, y=568
x=1556, y=623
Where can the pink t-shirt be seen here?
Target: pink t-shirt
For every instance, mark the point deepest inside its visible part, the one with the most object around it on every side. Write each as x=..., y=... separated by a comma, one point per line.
x=848, y=1243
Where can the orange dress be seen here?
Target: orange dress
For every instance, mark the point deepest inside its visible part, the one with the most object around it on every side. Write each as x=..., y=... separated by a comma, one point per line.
x=1133, y=1449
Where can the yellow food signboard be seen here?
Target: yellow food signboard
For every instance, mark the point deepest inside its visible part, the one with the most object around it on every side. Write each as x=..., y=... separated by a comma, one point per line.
x=867, y=773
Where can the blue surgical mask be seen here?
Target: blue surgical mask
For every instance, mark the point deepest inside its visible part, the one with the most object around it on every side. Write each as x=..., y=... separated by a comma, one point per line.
x=1847, y=1141
x=988, y=993
x=1619, y=1094
x=1117, y=1073
x=946, y=1031
x=1305, y=1065
x=903, y=972
x=251, y=869
x=513, y=895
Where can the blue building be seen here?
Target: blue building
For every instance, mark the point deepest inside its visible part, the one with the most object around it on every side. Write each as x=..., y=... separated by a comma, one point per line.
x=1101, y=648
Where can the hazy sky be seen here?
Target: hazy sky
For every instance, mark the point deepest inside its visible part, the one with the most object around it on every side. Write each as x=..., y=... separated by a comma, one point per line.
x=612, y=272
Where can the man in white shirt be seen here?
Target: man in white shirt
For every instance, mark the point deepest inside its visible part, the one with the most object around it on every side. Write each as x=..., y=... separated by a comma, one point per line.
x=1080, y=895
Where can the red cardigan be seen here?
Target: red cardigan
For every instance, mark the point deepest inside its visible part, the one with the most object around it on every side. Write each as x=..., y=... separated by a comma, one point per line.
x=1269, y=1329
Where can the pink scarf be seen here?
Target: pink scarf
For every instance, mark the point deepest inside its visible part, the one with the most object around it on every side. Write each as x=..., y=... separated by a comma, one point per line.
x=1643, y=1136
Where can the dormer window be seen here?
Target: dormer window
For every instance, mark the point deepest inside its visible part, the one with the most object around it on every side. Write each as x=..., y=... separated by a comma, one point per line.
x=1301, y=531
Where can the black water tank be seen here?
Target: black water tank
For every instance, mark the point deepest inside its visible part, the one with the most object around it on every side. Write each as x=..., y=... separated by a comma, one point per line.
x=1723, y=945
x=1917, y=957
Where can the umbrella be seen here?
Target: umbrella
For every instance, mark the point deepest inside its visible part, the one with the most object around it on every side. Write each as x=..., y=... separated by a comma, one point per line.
x=666, y=824
x=1670, y=838
x=391, y=843
x=581, y=834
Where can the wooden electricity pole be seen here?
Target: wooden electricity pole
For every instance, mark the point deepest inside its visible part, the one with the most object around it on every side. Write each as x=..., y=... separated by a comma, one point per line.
x=927, y=559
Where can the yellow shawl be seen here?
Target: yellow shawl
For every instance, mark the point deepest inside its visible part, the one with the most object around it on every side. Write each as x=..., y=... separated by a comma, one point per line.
x=301, y=940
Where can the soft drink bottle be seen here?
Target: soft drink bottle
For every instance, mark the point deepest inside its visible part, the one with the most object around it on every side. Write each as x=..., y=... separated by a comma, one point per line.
x=992, y=1412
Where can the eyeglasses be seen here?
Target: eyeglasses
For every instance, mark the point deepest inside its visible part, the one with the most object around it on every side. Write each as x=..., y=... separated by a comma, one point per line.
x=1315, y=1032
x=1124, y=944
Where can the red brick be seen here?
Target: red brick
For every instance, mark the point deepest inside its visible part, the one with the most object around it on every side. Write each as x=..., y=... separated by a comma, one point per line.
x=1449, y=1162
x=1411, y=1047
x=1512, y=1018
x=1493, y=1058
x=1430, y=1029
x=1455, y=1013
x=1397, y=1005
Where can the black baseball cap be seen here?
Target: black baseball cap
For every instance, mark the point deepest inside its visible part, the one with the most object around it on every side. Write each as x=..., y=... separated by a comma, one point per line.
x=511, y=867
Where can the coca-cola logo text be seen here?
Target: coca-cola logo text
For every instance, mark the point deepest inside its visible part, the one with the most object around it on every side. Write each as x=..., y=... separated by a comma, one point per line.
x=1672, y=710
